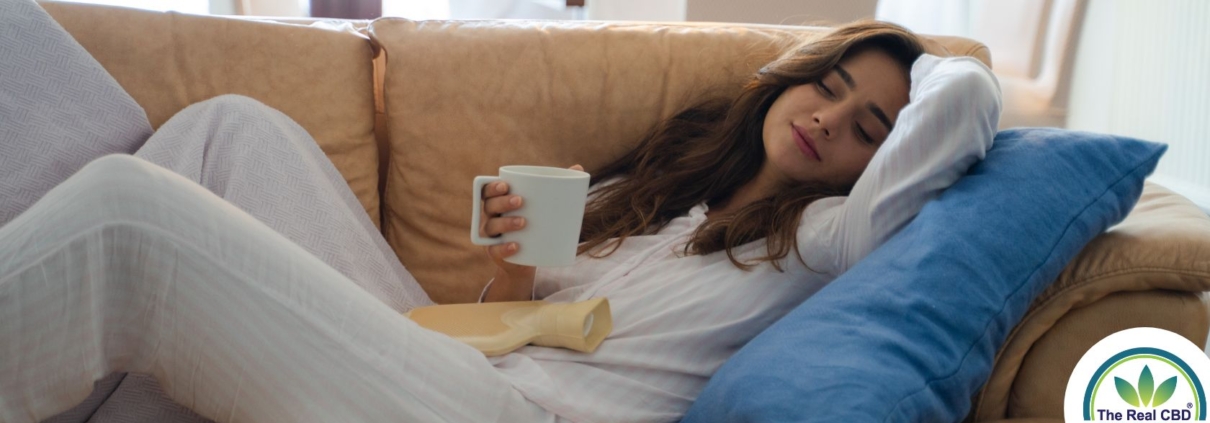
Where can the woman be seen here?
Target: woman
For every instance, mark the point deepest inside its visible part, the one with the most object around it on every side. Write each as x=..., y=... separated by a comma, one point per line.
x=126, y=266
x=730, y=214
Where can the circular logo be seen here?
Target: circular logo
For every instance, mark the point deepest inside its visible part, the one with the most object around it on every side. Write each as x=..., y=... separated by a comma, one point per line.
x=1139, y=374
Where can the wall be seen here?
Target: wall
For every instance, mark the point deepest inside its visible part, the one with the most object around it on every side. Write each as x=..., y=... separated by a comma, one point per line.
x=221, y=7
x=635, y=10
x=757, y=11
x=787, y=12
x=503, y=9
x=275, y=8
x=1143, y=70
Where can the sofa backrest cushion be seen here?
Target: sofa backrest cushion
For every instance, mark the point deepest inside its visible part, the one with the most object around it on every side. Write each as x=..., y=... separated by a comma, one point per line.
x=465, y=97
x=319, y=77
x=911, y=332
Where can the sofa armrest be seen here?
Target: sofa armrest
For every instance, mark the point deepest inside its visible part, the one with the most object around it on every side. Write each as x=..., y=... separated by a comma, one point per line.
x=1149, y=270
x=1040, y=385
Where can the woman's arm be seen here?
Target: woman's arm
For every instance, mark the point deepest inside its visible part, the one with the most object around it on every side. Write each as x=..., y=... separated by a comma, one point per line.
x=947, y=126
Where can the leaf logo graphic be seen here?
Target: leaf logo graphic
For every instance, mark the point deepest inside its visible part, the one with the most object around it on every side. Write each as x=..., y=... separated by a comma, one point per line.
x=1145, y=396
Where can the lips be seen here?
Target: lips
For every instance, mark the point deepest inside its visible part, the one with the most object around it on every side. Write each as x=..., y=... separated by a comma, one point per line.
x=805, y=143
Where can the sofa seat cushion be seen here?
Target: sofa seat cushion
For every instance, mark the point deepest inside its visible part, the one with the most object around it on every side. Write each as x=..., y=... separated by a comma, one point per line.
x=466, y=97
x=319, y=77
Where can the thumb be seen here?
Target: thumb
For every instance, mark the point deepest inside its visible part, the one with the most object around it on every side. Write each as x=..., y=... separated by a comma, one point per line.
x=577, y=167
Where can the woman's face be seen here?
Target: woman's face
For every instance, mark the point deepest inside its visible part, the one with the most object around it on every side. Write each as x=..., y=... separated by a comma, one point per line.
x=827, y=131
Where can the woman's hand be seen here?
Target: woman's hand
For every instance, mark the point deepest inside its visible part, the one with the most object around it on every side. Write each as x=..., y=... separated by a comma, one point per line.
x=513, y=282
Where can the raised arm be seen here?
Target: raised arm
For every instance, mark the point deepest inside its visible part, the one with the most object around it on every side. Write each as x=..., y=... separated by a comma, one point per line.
x=947, y=126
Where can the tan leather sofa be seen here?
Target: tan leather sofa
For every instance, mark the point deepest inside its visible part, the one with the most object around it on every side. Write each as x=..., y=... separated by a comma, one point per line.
x=410, y=111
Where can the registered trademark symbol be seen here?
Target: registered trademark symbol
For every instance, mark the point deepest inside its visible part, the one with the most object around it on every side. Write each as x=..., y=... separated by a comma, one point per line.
x=1189, y=405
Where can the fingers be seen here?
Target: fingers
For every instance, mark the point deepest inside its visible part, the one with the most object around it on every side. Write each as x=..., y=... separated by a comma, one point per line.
x=499, y=225
x=502, y=204
x=577, y=167
x=503, y=251
x=497, y=202
x=495, y=189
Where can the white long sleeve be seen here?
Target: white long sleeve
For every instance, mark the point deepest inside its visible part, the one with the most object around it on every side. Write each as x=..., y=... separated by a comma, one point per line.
x=947, y=126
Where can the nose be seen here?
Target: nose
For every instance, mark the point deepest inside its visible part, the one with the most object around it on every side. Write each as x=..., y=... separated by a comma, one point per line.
x=825, y=125
x=824, y=129
x=830, y=120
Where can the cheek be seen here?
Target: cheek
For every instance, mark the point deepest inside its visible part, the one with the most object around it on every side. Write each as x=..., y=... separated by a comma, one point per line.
x=794, y=102
x=801, y=101
x=768, y=127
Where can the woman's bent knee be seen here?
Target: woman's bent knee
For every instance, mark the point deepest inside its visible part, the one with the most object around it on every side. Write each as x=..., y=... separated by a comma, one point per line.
x=107, y=171
x=243, y=123
x=117, y=186
x=232, y=106
x=112, y=168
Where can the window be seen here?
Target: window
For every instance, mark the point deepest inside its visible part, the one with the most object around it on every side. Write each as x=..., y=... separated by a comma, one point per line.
x=417, y=9
x=200, y=7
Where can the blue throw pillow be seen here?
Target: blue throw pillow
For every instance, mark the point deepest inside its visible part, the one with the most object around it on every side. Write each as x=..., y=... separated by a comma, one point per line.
x=909, y=333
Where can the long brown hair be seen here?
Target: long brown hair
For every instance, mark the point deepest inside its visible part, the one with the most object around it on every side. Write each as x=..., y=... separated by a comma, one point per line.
x=708, y=151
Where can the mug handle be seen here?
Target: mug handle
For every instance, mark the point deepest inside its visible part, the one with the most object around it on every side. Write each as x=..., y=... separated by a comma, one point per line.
x=476, y=217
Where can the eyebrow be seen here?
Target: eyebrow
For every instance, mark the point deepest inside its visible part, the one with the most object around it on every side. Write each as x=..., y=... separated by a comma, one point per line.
x=877, y=111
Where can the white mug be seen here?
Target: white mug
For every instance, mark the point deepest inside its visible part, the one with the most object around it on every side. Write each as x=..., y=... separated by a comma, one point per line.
x=553, y=209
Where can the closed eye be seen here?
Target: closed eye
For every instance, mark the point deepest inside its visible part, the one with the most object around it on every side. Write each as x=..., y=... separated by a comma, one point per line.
x=824, y=89
x=861, y=133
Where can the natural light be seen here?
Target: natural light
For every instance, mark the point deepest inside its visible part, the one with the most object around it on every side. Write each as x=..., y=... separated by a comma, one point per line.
x=417, y=9
x=200, y=7
x=411, y=9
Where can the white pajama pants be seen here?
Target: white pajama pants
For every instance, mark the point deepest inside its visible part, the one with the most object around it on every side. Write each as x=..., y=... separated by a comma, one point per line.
x=127, y=266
